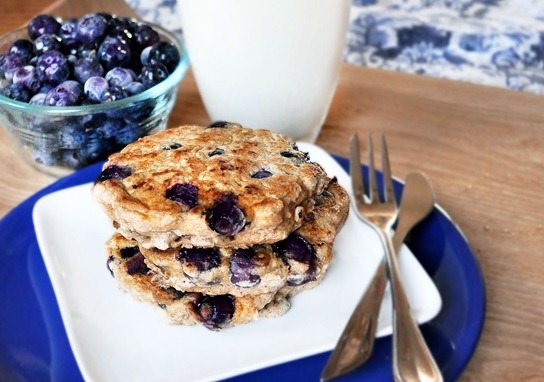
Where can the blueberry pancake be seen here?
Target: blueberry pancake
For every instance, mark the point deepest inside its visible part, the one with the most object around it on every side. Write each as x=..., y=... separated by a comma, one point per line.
x=188, y=308
x=301, y=258
x=217, y=186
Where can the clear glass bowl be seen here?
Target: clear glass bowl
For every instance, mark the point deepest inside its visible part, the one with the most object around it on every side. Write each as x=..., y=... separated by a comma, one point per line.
x=57, y=140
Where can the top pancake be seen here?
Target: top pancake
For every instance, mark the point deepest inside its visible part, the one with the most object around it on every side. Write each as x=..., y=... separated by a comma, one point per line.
x=197, y=186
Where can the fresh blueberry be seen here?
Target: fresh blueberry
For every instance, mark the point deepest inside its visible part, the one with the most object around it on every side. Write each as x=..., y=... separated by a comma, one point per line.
x=146, y=36
x=42, y=24
x=297, y=248
x=26, y=76
x=184, y=193
x=91, y=122
x=47, y=42
x=119, y=77
x=86, y=51
x=23, y=49
x=144, y=56
x=45, y=157
x=136, y=265
x=128, y=134
x=132, y=25
x=94, y=149
x=114, y=172
x=58, y=96
x=90, y=28
x=45, y=126
x=109, y=128
x=203, y=259
x=114, y=51
x=139, y=111
x=17, y=92
x=68, y=93
x=95, y=88
x=152, y=74
x=10, y=64
x=128, y=252
x=85, y=68
x=131, y=72
x=164, y=53
x=215, y=311
x=114, y=93
x=261, y=174
x=70, y=136
x=68, y=33
x=216, y=151
x=120, y=24
x=225, y=217
x=126, y=36
x=134, y=88
x=105, y=15
x=173, y=146
x=45, y=88
x=52, y=67
x=70, y=158
x=242, y=268
x=73, y=87
x=218, y=125
x=38, y=99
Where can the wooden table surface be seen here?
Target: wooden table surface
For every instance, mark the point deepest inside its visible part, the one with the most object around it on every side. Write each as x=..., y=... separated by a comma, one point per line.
x=481, y=147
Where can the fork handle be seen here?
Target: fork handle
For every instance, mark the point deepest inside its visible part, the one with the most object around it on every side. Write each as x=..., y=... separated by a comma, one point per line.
x=412, y=359
x=356, y=343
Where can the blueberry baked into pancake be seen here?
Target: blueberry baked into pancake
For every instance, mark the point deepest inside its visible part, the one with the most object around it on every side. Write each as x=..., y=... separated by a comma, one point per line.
x=219, y=225
x=215, y=312
x=302, y=257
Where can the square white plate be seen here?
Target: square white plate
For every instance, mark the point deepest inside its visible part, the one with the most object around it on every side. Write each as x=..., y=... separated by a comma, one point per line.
x=116, y=338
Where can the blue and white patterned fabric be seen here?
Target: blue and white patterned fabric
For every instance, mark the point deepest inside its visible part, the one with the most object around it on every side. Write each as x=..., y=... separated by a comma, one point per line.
x=490, y=42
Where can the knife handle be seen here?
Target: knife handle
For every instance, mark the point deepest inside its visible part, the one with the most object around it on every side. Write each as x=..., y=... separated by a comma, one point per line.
x=412, y=359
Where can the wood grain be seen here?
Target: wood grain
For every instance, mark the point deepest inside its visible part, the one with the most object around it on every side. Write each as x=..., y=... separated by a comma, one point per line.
x=482, y=148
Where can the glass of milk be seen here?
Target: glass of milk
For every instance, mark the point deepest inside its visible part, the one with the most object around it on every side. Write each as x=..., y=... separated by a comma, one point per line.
x=267, y=63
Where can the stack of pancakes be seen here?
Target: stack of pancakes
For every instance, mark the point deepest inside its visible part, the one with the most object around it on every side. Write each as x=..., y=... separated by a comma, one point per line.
x=219, y=225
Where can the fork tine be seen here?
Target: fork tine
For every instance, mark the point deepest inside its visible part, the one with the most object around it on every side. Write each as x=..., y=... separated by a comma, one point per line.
x=373, y=186
x=357, y=184
x=389, y=193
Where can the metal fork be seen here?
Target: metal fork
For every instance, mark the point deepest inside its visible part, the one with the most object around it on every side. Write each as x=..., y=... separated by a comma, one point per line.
x=412, y=360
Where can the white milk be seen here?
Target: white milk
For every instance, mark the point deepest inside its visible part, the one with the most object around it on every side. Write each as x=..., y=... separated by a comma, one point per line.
x=267, y=63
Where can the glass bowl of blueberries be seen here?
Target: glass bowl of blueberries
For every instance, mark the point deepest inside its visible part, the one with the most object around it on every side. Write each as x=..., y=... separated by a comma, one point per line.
x=74, y=91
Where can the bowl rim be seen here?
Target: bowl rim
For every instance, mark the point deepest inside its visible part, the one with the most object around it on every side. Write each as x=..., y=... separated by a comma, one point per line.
x=172, y=80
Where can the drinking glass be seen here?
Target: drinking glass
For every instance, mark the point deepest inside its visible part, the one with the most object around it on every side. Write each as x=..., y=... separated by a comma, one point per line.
x=267, y=63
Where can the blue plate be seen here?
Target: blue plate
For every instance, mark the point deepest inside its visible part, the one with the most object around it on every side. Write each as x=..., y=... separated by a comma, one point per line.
x=34, y=346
